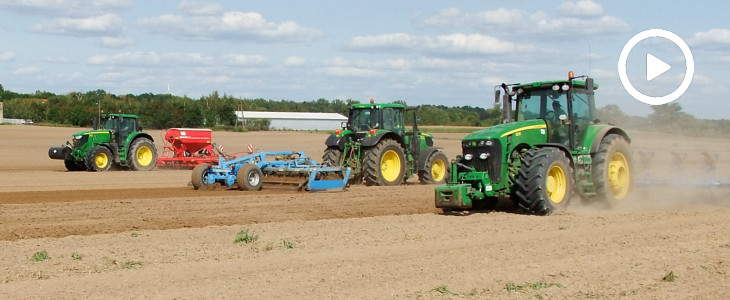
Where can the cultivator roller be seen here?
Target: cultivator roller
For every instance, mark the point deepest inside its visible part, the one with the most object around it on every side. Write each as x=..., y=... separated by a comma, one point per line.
x=680, y=172
x=252, y=171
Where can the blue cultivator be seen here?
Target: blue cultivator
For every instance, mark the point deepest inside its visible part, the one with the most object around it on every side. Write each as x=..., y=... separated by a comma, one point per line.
x=250, y=172
x=678, y=175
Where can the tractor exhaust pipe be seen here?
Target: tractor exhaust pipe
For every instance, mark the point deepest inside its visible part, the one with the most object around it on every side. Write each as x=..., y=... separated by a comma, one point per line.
x=58, y=152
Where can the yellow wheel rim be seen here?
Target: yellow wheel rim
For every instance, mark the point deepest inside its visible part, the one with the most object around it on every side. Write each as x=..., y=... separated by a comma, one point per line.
x=101, y=160
x=144, y=156
x=390, y=166
x=618, y=176
x=556, y=184
x=438, y=170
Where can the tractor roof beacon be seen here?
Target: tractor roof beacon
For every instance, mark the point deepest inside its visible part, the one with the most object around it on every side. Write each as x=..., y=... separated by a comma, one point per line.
x=549, y=146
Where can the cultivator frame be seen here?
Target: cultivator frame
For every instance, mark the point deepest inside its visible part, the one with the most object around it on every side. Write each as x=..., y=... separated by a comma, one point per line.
x=708, y=168
x=279, y=167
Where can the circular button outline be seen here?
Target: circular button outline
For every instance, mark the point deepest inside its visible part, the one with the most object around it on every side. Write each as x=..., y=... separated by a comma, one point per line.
x=689, y=60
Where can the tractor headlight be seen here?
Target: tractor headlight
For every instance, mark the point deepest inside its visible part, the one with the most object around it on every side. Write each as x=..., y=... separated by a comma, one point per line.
x=484, y=155
x=78, y=137
x=481, y=143
x=468, y=156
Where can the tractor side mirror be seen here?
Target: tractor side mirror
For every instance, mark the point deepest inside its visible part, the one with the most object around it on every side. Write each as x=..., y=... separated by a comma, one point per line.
x=496, y=96
x=343, y=124
x=506, y=108
x=589, y=86
x=95, y=123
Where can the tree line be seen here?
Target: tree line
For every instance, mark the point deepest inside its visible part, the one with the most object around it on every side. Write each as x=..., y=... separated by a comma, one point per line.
x=159, y=111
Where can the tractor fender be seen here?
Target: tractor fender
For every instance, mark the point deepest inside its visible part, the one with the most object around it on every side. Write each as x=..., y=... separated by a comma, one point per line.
x=373, y=140
x=333, y=140
x=424, y=155
x=605, y=131
x=140, y=135
x=561, y=147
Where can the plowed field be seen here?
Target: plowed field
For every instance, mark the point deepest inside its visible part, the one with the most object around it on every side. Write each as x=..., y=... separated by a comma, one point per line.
x=123, y=234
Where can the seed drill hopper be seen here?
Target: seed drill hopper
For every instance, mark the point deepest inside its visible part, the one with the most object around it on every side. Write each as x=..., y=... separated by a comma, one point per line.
x=187, y=148
x=251, y=171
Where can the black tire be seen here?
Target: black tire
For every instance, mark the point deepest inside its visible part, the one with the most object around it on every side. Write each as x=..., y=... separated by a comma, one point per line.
x=386, y=155
x=332, y=156
x=99, y=159
x=544, y=182
x=142, y=155
x=612, y=165
x=198, y=176
x=72, y=165
x=250, y=178
x=436, y=170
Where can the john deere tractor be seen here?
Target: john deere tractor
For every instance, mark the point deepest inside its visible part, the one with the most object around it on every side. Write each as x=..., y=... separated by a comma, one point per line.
x=120, y=141
x=549, y=146
x=380, y=150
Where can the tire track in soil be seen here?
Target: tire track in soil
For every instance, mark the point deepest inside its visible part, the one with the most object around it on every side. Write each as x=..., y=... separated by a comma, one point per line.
x=25, y=215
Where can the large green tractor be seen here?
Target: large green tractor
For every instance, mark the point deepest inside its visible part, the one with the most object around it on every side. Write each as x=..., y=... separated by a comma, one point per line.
x=549, y=146
x=120, y=141
x=380, y=150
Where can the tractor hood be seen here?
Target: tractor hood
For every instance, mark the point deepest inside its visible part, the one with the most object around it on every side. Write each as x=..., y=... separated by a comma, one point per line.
x=90, y=132
x=506, y=129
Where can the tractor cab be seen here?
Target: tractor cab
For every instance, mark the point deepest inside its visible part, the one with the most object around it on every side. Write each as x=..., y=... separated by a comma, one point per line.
x=364, y=118
x=119, y=125
x=566, y=106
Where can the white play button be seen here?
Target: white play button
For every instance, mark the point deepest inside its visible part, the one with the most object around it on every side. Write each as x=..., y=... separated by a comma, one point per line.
x=655, y=67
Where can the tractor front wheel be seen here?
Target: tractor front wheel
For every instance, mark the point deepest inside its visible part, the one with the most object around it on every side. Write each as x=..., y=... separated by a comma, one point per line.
x=249, y=178
x=198, y=177
x=384, y=164
x=437, y=169
x=142, y=155
x=544, y=181
x=99, y=159
x=612, y=169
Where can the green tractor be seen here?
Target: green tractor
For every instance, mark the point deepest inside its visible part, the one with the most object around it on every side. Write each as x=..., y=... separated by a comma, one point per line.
x=550, y=147
x=120, y=142
x=380, y=150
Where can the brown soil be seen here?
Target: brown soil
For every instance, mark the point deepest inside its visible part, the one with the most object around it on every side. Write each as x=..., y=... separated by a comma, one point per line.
x=123, y=234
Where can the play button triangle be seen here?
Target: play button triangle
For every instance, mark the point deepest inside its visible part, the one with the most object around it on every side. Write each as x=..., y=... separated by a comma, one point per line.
x=655, y=67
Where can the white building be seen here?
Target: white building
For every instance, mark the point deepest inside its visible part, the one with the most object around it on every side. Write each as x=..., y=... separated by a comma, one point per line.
x=295, y=120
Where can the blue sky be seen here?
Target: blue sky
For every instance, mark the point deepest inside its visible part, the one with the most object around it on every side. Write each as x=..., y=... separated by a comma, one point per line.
x=423, y=52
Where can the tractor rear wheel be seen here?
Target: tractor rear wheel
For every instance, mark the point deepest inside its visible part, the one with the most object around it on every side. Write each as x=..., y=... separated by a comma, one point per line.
x=332, y=156
x=612, y=169
x=198, y=177
x=437, y=169
x=99, y=159
x=142, y=155
x=249, y=178
x=384, y=164
x=544, y=181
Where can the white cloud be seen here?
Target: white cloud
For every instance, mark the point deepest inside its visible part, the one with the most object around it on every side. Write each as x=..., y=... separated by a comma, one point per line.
x=127, y=58
x=581, y=17
x=200, y=8
x=234, y=25
x=7, y=55
x=244, y=60
x=64, y=7
x=712, y=37
x=456, y=43
x=106, y=24
x=581, y=8
x=115, y=42
x=295, y=61
x=27, y=70
x=57, y=59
